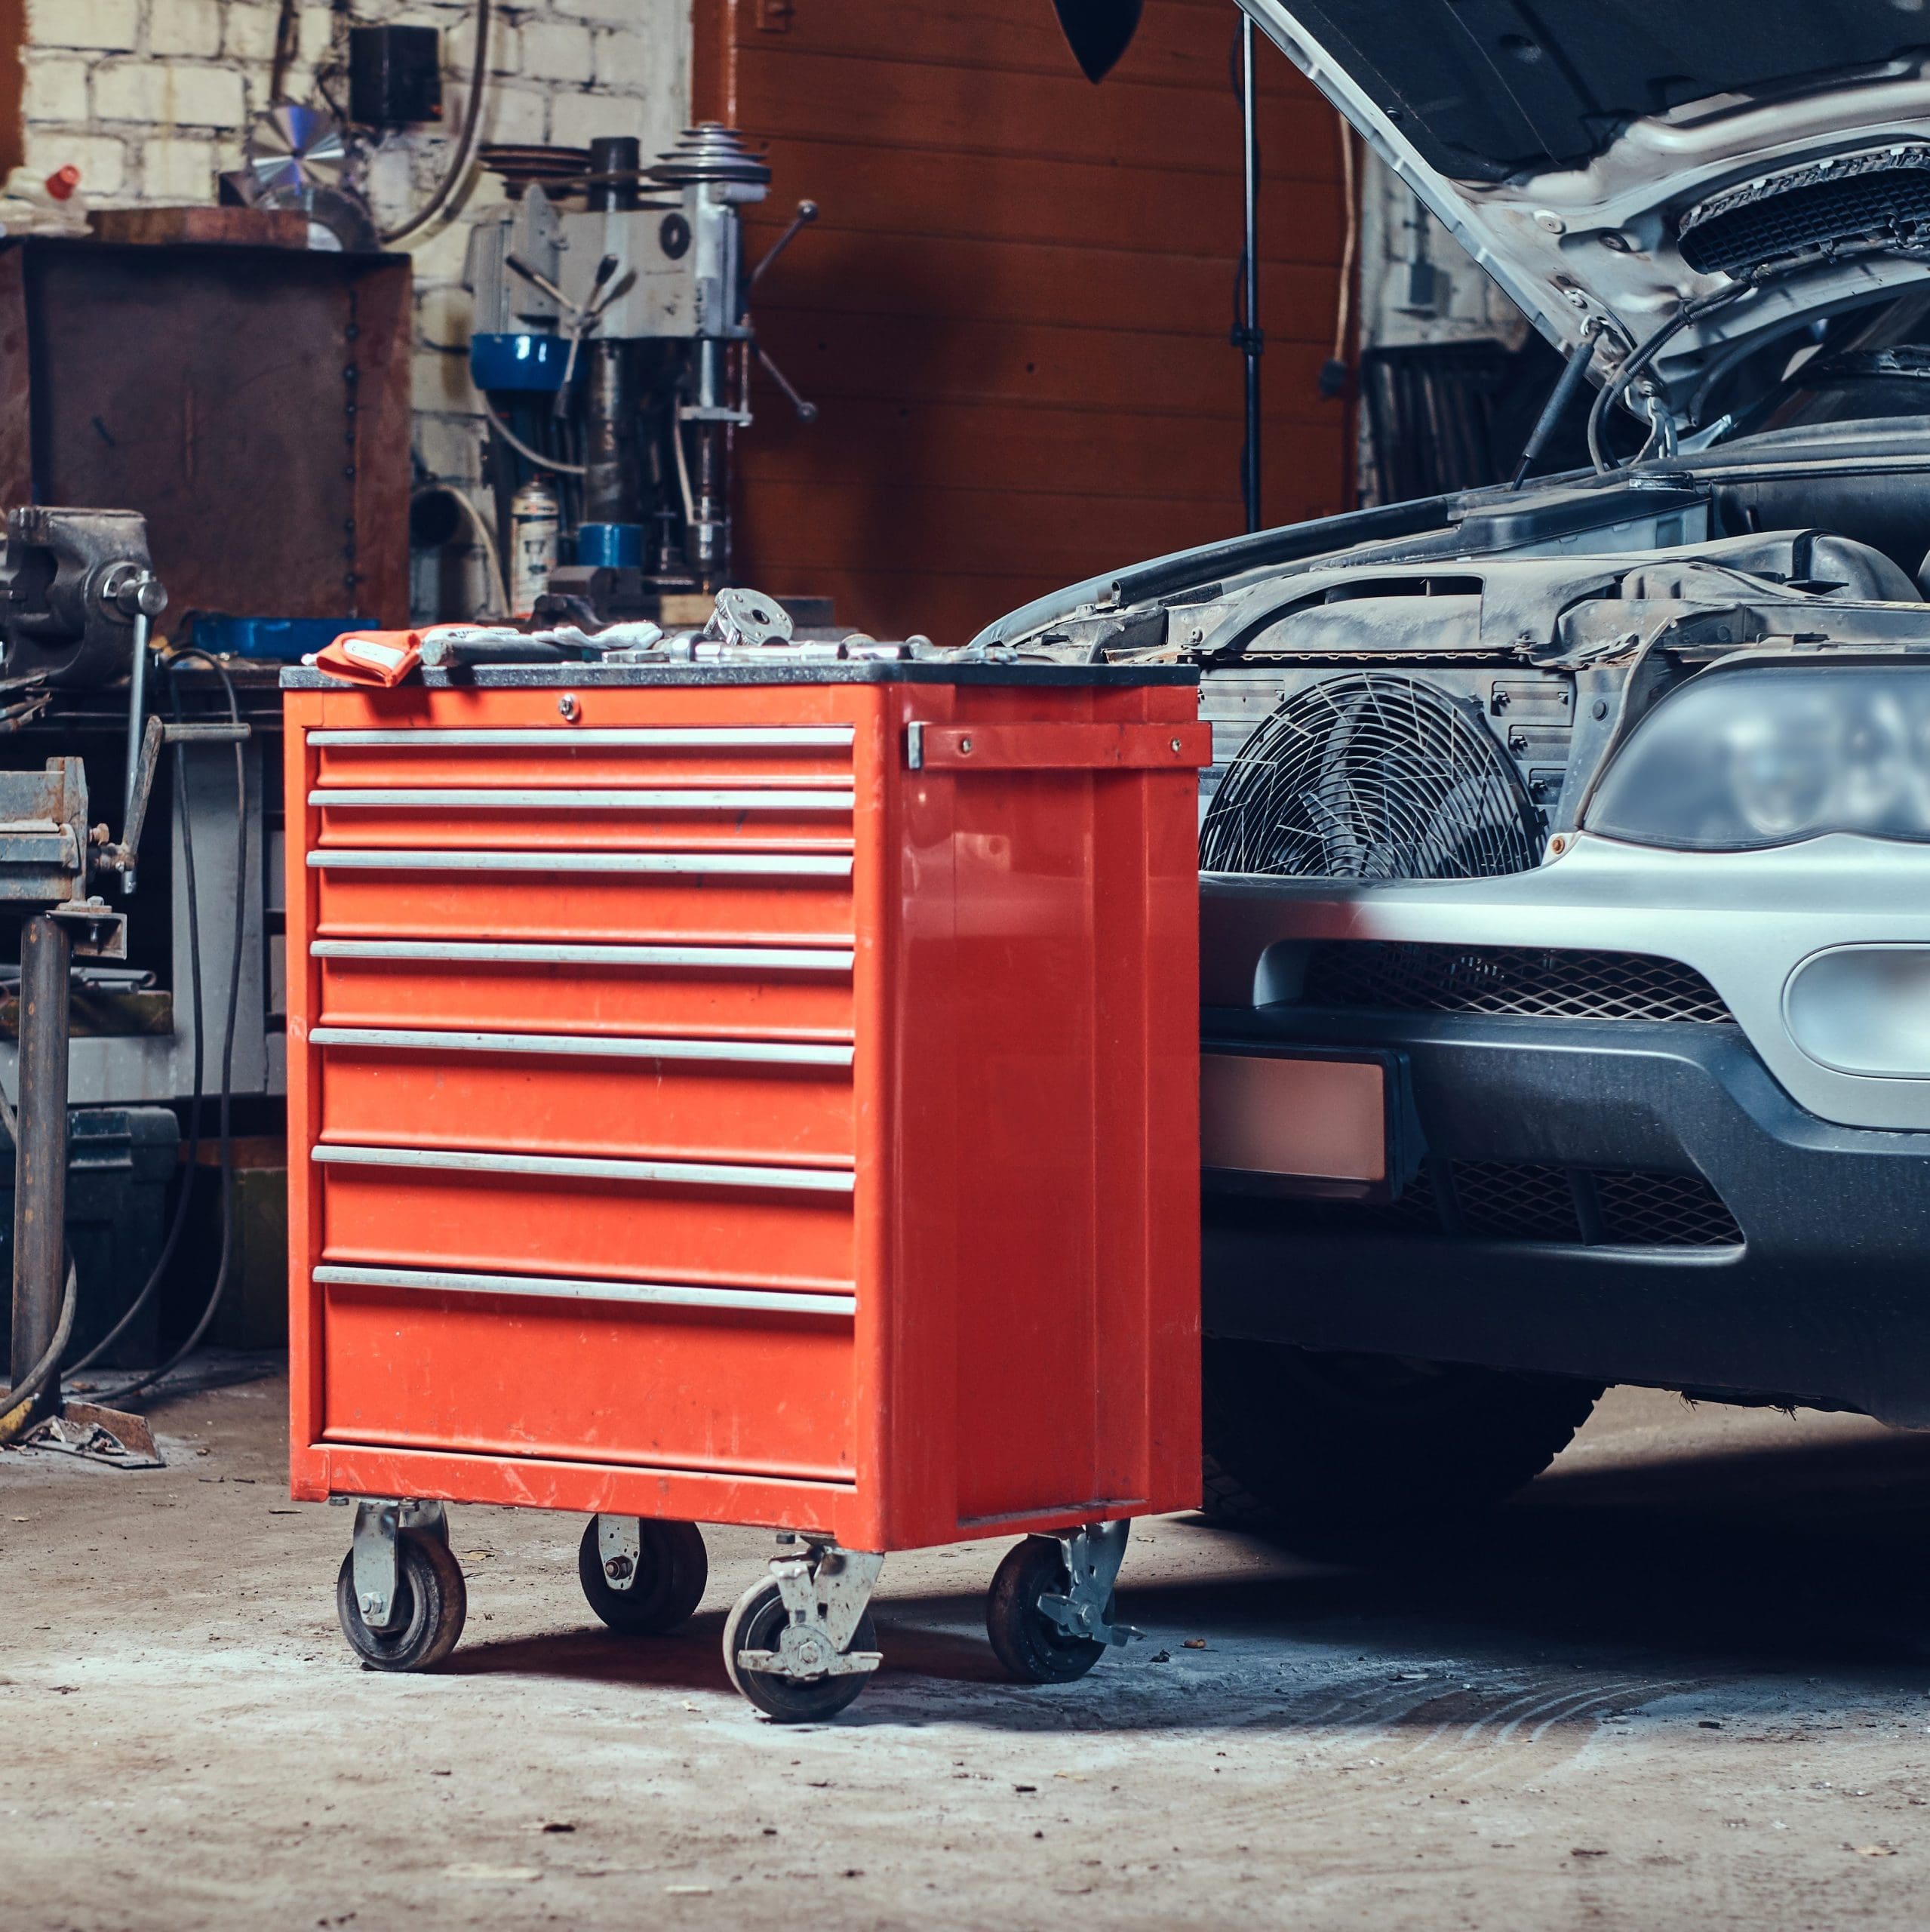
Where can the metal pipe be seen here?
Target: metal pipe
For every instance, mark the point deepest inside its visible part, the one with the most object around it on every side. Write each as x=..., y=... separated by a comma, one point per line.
x=1252, y=342
x=136, y=725
x=40, y=1150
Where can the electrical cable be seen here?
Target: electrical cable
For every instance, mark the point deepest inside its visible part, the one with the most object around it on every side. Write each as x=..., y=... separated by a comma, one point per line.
x=119, y=1397
x=1617, y=386
x=465, y=144
x=487, y=537
x=36, y=1379
x=523, y=449
x=152, y=1284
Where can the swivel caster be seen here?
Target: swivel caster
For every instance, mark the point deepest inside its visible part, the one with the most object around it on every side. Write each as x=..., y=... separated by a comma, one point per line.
x=642, y=1576
x=800, y=1644
x=400, y=1594
x=1049, y=1614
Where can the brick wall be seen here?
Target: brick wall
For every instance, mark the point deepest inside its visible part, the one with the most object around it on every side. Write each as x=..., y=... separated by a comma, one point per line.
x=149, y=98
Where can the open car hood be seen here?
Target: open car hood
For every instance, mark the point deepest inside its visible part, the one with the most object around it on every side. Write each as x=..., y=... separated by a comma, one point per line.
x=1606, y=160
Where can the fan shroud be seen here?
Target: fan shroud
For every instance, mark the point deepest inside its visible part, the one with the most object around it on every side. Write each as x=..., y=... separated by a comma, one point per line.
x=1372, y=776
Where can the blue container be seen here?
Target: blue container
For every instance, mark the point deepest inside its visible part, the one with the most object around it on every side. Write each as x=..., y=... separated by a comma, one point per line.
x=531, y=363
x=281, y=640
x=610, y=546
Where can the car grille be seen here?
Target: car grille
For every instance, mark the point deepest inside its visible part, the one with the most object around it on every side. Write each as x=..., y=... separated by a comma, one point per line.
x=1513, y=1200
x=1535, y=982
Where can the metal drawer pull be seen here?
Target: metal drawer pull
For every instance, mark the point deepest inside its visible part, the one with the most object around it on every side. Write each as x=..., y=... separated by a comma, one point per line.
x=690, y=799
x=741, y=1053
x=741, y=865
x=756, y=1301
x=492, y=952
x=570, y=1167
x=562, y=737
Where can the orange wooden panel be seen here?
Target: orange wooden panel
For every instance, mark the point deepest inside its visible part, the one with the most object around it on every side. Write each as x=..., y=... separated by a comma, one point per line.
x=960, y=278
x=1115, y=204
x=745, y=1001
x=380, y=1096
x=1047, y=118
x=1019, y=36
x=518, y=1224
x=508, y=1375
x=572, y=906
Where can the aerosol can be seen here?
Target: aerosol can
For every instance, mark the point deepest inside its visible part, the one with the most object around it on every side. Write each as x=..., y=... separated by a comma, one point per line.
x=534, y=518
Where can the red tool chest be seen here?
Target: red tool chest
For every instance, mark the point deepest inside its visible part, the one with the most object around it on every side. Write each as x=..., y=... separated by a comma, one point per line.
x=746, y=1095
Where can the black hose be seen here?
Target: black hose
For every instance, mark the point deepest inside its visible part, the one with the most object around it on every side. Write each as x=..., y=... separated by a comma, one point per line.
x=43, y=1371
x=152, y=1284
x=465, y=142
x=119, y=1396
x=1616, y=387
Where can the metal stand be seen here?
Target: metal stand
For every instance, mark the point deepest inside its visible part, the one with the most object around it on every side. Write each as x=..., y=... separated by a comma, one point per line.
x=1093, y=1556
x=40, y=1151
x=1247, y=335
x=825, y=1592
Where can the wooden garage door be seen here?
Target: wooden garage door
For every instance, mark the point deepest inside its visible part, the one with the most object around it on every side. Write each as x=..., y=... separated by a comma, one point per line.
x=1015, y=311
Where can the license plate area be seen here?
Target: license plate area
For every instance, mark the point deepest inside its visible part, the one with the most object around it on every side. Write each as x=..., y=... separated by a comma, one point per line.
x=1318, y=1124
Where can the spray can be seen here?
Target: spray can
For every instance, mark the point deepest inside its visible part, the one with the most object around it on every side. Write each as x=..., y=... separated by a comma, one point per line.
x=534, y=518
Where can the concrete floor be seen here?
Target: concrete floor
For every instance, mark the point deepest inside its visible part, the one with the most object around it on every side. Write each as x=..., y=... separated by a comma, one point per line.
x=1679, y=1684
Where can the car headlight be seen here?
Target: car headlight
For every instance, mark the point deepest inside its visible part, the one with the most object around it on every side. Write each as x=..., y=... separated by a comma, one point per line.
x=1765, y=754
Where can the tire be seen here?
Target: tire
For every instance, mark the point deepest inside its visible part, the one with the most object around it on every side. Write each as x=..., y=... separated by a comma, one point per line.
x=1032, y=1647
x=672, y=1570
x=756, y=1623
x=431, y=1597
x=1357, y=1457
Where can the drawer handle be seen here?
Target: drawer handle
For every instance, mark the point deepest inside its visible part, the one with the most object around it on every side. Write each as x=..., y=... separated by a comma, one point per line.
x=586, y=1046
x=734, y=865
x=654, y=1294
x=690, y=798
x=1042, y=747
x=494, y=952
x=765, y=737
x=571, y=1167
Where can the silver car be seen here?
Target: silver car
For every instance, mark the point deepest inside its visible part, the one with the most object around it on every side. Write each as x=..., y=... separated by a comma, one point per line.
x=1565, y=858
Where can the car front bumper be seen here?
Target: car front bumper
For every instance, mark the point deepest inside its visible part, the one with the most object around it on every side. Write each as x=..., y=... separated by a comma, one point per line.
x=1825, y=1297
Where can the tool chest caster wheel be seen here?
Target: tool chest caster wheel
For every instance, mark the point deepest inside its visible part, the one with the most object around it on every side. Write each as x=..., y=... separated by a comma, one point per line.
x=426, y=1607
x=757, y=1623
x=642, y=1577
x=1049, y=1614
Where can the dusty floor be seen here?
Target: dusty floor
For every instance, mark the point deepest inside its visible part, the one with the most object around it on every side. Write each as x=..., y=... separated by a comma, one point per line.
x=1681, y=1684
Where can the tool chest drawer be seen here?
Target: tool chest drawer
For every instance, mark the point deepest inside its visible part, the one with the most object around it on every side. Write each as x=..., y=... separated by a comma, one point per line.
x=708, y=991
x=714, y=1096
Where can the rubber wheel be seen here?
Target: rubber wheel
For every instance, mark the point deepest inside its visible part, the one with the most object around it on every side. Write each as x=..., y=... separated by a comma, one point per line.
x=1363, y=1457
x=757, y=1622
x=1028, y=1644
x=672, y=1570
x=430, y=1595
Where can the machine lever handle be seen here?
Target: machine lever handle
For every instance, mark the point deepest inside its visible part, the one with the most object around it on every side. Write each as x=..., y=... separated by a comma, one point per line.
x=807, y=213
x=807, y=412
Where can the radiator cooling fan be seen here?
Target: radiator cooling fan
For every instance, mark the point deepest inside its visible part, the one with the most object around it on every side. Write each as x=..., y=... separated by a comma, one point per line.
x=1372, y=776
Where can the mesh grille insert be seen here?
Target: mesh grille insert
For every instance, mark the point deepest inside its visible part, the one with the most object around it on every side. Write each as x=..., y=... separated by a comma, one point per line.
x=1664, y=1210
x=1887, y=206
x=1535, y=982
x=1509, y=1201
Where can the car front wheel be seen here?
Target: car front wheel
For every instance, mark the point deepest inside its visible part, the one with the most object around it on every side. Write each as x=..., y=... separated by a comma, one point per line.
x=1360, y=1456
